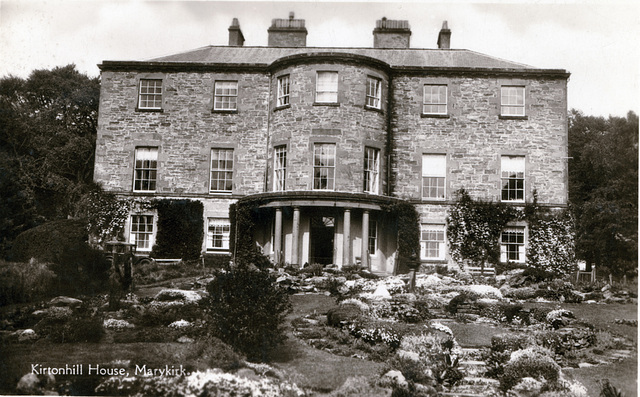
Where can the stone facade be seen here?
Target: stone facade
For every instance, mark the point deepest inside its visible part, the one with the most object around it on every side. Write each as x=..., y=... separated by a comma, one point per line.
x=343, y=223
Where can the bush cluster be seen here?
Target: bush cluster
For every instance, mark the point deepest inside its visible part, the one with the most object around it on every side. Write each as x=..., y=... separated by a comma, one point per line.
x=248, y=309
x=180, y=229
x=25, y=282
x=529, y=363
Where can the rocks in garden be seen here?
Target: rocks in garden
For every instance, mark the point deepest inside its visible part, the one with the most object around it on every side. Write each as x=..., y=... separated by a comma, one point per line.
x=25, y=335
x=173, y=295
x=247, y=373
x=381, y=293
x=185, y=339
x=36, y=384
x=65, y=301
x=393, y=378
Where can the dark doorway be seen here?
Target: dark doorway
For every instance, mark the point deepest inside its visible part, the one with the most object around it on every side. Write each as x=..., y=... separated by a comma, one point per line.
x=321, y=238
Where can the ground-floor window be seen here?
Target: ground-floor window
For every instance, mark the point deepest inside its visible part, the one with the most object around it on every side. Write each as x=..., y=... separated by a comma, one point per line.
x=142, y=232
x=512, y=245
x=373, y=237
x=218, y=233
x=432, y=242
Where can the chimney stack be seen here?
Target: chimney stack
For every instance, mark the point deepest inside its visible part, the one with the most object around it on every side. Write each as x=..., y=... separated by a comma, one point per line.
x=236, y=38
x=287, y=32
x=444, y=37
x=391, y=34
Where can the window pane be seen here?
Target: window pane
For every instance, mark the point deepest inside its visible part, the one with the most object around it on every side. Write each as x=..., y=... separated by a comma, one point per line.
x=221, y=170
x=434, y=99
x=145, y=169
x=150, y=94
x=225, y=95
x=327, y=87
x=218, y=232
x=512, y=101
x=432, y=242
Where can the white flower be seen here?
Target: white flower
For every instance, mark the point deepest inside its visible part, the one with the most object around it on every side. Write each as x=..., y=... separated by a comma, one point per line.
x=116, y=324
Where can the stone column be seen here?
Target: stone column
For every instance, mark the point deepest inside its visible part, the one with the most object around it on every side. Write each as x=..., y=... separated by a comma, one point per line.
x=277, y=236
x=365, y=240
x=346, y=235
x=295, y=236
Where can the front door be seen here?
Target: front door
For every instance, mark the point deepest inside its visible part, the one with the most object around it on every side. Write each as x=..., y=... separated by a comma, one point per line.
x=321, y=239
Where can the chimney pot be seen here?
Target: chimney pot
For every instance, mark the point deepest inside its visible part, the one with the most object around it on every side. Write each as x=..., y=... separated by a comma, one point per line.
x=287, y=32
x=444, y=37
x=236, y=38
x=391, y=33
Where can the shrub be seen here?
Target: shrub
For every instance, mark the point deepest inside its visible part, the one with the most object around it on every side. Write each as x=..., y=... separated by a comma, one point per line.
x=356, y=386
x=180, y=229
x=78, y=267
x=412, y=370
x=345, y=313
x=217, y=261
x=248, y=310
x=64, y=330
x=567, y=339
x=25, y=282
x=529, y=363
x=461, y=299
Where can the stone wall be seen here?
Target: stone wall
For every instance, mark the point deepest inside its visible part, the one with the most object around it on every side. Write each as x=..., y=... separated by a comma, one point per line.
x=184, y=131
x=474, y=137
x=348, y=124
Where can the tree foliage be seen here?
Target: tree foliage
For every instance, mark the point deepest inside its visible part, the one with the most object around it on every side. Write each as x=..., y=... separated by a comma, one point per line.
x=180, y=229
x=47, y=140
x=603, y=189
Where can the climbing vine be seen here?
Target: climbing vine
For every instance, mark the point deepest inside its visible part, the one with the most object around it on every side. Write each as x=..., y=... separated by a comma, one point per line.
x=408, y=232
x=474, y=228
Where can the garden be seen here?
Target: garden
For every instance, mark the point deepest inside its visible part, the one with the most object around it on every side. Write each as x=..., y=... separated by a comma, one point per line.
x=252, y=331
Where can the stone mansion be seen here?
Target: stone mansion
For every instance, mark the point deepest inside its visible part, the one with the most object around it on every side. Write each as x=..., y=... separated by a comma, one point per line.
x=327, y=136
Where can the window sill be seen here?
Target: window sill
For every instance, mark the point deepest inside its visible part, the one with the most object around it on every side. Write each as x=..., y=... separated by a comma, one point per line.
x=287, y=106
x=330, y=104
x=503, y=117
x=378, y=110
x=217, y=250
x=431, y=199
x=219, y=193
x=228, y=111
x=434, y=261
x=434, y=116
x=144, y=191
x=513, y=201
x=150, y=110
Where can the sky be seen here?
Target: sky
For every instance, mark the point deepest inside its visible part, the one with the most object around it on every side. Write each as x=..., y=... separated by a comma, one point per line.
x=597, y=42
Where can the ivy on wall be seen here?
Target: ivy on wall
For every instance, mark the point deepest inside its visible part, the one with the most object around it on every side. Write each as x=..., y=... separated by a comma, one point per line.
x=180, y=229
x=474, y=228
x=408, y=222
x=244, y=216
x=106, y=214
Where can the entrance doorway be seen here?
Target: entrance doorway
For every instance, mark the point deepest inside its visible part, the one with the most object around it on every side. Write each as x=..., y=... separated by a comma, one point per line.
x=321, y=239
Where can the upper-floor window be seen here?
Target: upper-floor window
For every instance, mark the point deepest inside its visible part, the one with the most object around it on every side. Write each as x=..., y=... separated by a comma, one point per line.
x=432, y=245
x=218, y=232
x=150, y=94
x=512, y=100
x=512, y=178
x=141, y=232
x=279, y=168
x=225, y=95
x=371, y=169
x=283, y=90
x=373, y=237
x=374, y=92
x=327, y=87
x=434, y=174
x=512, y=248
x=324, y=166
x=434, y=99
x=221, y=171
x=145, y=169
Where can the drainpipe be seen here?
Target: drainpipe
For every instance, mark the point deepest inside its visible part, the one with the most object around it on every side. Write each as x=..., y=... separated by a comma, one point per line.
x=389, y=135
x=266, y=157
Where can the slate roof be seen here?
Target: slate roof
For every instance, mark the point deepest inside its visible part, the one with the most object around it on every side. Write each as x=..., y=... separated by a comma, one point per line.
x=395, y=58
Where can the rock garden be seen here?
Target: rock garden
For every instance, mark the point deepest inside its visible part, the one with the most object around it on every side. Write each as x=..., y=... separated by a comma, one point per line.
x=516, y=334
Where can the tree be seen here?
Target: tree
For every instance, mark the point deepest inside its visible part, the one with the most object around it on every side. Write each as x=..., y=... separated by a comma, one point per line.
x=603, y=189
x=47, y=141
